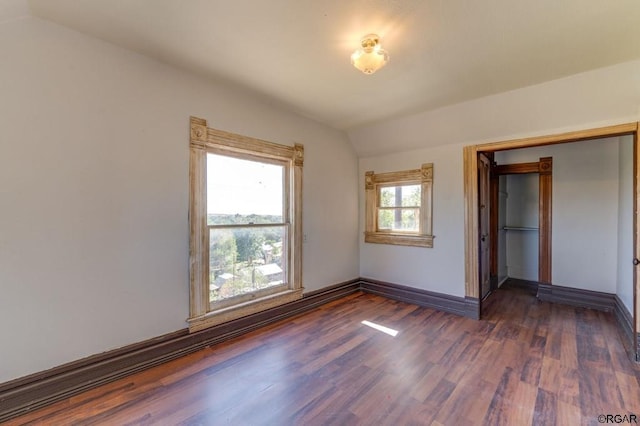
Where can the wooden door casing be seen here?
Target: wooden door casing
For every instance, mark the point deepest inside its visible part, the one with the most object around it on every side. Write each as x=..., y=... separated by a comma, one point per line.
x=471, y=218
x=484, y=170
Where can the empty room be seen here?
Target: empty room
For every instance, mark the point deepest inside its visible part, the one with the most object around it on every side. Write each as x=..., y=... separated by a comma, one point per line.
x=294, y=212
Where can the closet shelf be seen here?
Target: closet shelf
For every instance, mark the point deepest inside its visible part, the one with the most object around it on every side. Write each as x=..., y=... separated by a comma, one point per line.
x=520, y=228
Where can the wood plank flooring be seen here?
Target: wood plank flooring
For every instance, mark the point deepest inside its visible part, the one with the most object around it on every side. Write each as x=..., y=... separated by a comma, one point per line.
x=527, y=362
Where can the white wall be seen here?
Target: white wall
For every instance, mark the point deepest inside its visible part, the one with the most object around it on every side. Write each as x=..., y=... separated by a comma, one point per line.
x=584, y=235
x=592, y=99
x=624, y=284
x=440, y=268
x=602, y=97
x=94, y=192
x=585, y=218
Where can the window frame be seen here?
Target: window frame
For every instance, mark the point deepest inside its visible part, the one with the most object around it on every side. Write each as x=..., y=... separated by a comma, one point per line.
x=204, y=140
x=373, y=184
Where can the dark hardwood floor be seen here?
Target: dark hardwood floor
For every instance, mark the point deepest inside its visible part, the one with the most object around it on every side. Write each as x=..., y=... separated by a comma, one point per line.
x=527, y=362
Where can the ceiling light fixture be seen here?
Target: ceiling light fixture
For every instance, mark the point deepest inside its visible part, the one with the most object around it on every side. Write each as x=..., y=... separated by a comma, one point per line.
x=370, y=57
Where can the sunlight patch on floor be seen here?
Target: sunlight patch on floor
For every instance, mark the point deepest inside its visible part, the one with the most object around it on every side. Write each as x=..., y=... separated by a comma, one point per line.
x=387, y=330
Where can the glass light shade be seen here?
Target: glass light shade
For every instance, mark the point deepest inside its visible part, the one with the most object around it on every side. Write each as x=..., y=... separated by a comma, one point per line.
x=371, y=56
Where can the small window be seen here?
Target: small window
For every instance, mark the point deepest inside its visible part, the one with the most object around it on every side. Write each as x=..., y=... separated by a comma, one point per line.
x=398, y=207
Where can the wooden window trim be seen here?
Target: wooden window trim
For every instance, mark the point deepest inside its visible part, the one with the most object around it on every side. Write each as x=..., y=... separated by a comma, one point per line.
x=374, y=181
x=204, y=140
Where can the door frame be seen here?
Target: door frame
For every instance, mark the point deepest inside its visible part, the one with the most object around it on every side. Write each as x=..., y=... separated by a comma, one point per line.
x=470, y=166
x=544, y=169
x=484, y=221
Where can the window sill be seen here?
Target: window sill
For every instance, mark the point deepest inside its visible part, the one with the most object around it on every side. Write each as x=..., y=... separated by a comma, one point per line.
x=243, y=309
x=399, y=239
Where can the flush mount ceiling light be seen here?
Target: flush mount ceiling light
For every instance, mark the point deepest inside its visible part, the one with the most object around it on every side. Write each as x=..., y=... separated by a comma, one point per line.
x=370, y=57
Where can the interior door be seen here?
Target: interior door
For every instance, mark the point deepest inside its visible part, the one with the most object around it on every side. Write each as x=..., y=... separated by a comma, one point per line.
x=484, y=168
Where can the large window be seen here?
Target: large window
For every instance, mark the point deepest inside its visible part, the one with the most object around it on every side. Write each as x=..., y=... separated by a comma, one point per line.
x=398, y=207
x=245, y=219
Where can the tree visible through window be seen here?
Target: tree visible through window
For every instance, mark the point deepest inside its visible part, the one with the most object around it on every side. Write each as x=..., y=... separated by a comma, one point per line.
x=398, y=207
x=247, y=229
x=245, y=220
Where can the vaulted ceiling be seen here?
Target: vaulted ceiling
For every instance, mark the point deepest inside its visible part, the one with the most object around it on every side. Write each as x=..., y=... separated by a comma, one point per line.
x=296, y=52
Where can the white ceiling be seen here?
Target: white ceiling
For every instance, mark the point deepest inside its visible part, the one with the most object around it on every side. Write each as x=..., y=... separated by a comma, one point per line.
x=296, y=52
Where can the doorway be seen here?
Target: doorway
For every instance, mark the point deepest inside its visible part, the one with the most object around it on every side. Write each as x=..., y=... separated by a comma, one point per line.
x=472, y=217
x=521, y=218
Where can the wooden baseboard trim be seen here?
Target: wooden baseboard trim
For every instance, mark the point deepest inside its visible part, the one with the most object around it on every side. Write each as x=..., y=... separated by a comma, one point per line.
x=576, y=297
x=625, y=322
x=35, y=391
x=472, y=307
x=38, y=390
x=623, y=316
x=595, y=300
x=467, y=307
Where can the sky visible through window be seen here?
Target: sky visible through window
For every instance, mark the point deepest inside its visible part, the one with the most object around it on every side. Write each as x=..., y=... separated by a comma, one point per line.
x=244, y=187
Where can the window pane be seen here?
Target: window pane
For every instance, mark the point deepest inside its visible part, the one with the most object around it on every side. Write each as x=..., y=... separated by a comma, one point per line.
x=409, y=220
x=410, y=195
x=400, y=196
x=244, y=260
x=387, y=196
x=243, y=191
x=385, y=218
x=399, y=219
